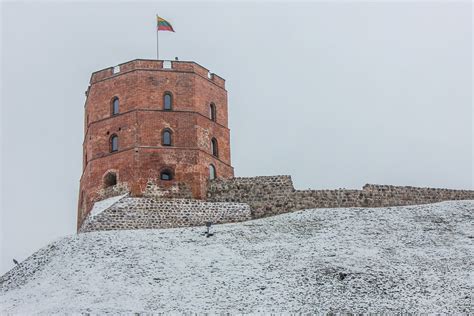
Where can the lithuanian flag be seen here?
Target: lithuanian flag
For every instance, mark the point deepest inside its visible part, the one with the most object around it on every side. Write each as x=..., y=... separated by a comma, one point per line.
x=163, y=25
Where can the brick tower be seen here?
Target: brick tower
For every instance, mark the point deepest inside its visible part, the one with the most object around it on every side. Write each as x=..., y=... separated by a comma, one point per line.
x=153, y=128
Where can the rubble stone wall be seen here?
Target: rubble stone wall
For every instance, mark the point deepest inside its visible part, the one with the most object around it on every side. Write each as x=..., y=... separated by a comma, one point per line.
x=152, y=213
x=275, y=195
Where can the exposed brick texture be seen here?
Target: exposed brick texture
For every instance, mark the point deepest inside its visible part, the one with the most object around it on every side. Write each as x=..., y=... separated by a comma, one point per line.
x=140, y=86
x=275, y=195
x=146, y=213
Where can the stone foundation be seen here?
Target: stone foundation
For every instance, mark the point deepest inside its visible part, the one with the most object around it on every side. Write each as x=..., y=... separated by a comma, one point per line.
x=150, y=213
x=175, y=190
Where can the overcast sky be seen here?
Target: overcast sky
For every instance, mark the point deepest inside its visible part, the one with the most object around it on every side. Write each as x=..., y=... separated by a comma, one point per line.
x=337, y=94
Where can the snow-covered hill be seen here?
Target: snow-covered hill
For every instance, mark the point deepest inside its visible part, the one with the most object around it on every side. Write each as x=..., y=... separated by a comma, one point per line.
x=404, y=259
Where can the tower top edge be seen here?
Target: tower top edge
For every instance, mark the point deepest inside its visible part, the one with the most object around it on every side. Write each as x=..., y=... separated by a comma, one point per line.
x=158, y=65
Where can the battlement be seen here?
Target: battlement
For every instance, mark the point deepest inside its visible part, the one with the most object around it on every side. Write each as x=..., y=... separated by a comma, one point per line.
x=157, y=65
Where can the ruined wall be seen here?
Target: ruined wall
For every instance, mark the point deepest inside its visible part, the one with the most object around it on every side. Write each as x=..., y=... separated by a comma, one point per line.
x=152, y=213
x=240, y=199
x=275, y=195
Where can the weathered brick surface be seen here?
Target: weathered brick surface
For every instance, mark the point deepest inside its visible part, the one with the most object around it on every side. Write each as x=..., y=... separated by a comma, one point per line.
x=149, y=213
x=275, y=195
x=140, y=87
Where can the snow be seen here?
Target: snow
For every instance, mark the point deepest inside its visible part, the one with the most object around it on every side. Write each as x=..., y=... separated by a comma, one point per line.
x=101, y=206
x=413, y=259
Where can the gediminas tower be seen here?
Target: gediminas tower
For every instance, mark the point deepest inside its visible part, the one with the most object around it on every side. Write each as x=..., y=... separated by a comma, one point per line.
x=153, y=125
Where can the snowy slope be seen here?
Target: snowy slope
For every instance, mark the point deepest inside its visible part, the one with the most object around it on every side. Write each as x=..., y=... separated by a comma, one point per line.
x=404, y=259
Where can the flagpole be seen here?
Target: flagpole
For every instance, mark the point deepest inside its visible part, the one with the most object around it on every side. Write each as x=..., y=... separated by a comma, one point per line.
x=157, y=50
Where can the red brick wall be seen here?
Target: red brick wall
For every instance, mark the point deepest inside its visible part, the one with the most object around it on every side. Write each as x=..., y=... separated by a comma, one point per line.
x=140, y=86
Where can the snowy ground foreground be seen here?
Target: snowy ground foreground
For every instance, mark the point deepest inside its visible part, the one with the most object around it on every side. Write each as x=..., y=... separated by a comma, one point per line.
x=404, y=259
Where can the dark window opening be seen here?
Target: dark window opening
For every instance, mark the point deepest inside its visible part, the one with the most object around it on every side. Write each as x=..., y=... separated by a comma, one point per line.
x=113, y=143
x=110, y=179
x=168, y=101
x=115, y=106
x=82, y=199
x=212, y=110
x=212, y=172
x=166, y=138
x=166, y=175
x=214, y=149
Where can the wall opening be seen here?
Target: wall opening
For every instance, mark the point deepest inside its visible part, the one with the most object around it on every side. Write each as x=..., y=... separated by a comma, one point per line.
x=110, y=179
x=166, y=139
x=166, y=175
x=115, y=106
x=214, y=149
x=113, y=143
x=212, y=172
x=167, y=101
x=212, y=111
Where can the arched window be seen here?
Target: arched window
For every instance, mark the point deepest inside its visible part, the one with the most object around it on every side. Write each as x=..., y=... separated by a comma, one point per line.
x=110, y=179
x=214, y=149
x=166, y=175
x=166, y=138
x=168, y=101
x=115, y=106
x=212, y=172
x=113, y=143
x=212, y=112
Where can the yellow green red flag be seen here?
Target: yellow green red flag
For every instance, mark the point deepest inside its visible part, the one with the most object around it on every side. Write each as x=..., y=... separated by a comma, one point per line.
x=163, y=25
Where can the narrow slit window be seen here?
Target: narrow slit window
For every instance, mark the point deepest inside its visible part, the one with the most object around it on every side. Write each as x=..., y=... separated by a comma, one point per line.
x=212, y=172
x=115, y=106
x=113, y=143
x=168, y=101
x=166, y=138
x=214, y=148
x=212, y=110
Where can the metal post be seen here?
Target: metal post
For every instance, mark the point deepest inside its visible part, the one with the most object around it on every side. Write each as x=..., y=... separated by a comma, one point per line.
x=157, y=31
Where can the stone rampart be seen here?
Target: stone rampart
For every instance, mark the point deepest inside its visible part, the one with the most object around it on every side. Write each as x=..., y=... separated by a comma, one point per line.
x=149, y=213
x=275, y=195
x=241, y=199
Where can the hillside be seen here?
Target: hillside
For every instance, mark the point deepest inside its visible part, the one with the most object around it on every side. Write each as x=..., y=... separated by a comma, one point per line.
x=404, y=259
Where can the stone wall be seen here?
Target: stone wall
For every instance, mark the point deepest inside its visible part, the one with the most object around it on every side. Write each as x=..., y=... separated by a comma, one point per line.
x=266, y=194
x=173, y=190
x=152, y=213
x=241, y=199
x=275, y=195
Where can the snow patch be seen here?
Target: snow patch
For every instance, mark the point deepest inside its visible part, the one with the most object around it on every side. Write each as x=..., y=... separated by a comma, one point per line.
x=101, y=206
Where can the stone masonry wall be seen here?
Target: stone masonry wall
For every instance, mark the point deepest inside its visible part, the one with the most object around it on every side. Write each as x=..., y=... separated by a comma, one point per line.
x=152, y=213
x=241, y=199
x=275, y=195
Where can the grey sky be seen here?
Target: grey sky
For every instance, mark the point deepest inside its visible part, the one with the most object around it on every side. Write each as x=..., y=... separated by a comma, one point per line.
x=335, y=94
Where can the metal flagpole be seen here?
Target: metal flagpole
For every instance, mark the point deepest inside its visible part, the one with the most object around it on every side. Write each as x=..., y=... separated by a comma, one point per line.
x=157, y=50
